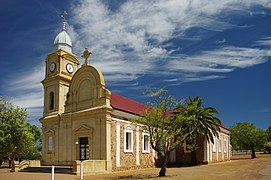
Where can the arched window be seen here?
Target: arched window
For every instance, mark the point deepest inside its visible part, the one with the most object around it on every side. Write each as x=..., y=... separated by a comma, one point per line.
x=51, y=101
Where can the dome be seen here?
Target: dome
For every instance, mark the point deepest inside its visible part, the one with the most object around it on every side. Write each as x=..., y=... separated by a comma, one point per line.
x=63, y=41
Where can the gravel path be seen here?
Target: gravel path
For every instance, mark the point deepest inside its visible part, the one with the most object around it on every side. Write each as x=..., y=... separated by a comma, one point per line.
x=241, y=167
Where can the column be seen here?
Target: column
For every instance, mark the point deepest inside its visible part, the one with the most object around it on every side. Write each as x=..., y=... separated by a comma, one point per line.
x=117, y=144
x=137, y=146
x=108, y=145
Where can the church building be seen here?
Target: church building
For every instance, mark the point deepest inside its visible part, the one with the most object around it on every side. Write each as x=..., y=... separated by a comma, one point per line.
x=82, y=120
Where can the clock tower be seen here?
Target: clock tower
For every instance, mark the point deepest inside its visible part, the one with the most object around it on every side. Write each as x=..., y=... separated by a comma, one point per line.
x=60, y=67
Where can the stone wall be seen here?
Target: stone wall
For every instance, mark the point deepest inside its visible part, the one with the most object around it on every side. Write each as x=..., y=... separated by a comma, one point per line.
x=184, y=157
x=128, y=159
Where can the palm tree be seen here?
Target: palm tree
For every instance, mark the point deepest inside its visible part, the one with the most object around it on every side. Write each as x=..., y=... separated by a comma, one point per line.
x=203, y=123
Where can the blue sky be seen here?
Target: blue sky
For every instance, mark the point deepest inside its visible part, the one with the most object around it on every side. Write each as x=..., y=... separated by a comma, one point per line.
x=218, y=50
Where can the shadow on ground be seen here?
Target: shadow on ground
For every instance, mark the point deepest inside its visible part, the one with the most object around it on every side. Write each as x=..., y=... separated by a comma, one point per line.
x=141, y=176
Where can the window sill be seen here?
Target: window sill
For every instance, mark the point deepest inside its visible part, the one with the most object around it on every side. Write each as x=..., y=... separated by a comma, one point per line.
x=128, y=151
x=146, y=152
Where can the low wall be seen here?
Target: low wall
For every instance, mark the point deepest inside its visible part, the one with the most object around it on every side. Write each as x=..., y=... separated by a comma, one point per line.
x=90, y=167
x=29, y=163
x=16, y=166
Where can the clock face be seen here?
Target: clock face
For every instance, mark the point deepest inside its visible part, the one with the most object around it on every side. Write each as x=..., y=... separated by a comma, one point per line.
x=52, y=66
x=69, y=68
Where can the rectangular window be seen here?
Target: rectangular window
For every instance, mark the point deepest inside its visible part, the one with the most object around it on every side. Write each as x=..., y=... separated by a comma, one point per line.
x=188, y=144
x=220, y=144
x=50, y=143
x=225, y=145
x=128, y=140
x=145, y=143
x=214, y=144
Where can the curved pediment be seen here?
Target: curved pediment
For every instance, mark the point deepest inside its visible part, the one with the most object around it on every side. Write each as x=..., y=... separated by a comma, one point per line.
x=86, y=90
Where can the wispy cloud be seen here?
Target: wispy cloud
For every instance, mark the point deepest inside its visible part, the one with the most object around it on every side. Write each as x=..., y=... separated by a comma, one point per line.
x=27, y=88
x=191, y=78
x=137, y=38
x=220, y=60
x=264, y=42
x=131, y=41
x=266, y=110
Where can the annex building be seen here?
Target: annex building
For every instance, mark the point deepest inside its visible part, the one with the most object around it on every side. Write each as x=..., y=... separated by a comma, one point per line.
x=82, y=120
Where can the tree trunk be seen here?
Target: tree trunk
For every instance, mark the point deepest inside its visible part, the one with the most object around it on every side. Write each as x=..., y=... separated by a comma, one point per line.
x=163, y=166
x=193, y=157
x=253, y=155
x=12, y=164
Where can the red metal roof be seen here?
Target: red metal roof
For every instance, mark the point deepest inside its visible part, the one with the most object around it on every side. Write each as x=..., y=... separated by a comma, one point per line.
x=223, y=126
x=128, y=105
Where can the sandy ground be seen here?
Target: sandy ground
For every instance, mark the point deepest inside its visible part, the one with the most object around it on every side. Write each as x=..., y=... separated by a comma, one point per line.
x=240, y=167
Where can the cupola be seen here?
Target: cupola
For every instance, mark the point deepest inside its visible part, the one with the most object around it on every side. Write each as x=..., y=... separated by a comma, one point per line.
x=63, y=40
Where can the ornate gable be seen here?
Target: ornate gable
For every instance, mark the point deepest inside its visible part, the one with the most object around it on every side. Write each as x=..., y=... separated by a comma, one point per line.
x=87, y=89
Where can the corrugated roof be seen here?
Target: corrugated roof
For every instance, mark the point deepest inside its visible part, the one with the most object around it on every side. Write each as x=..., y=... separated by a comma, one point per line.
x=128, y=105
x=223, y=126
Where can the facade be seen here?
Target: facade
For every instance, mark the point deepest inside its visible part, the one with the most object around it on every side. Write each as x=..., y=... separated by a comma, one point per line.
x=84, y=121
x=207, y=151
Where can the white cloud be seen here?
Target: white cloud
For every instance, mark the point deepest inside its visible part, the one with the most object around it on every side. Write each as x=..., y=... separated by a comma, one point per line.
x=266, y=110
x=264, y=42
x=221, y=60
x=29, y=80
x=135, y=40
x=191, y=78
x=27, y=88
x=132, y=40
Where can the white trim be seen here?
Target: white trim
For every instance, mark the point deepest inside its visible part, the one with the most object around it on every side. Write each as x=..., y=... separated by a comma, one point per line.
x=137, y=146
x=118, y=144
x=124, y=121
x=184, y=147
x=217, y=143
x=220, y=144
x=206, y=150
x=128, y=129
x=225, y=145
x=143, y=143
x=222, y=147
x=121, y=120
x=214, y=144
x=229, y=149
x=211, y=151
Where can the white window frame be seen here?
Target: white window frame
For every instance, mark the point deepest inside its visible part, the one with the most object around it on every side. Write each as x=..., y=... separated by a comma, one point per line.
x=144, y=141
x=220, y=144
x=128, y=129
x=185, y=149
x=225, y=145
x=118, y=144
x=214, y=144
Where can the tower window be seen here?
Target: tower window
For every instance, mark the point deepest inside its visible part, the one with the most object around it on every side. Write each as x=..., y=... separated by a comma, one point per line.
x=52, y=101
x=50, y=144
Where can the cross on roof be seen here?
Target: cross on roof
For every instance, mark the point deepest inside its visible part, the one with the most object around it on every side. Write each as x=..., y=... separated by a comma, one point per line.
x=86, y=55
x=63, y=16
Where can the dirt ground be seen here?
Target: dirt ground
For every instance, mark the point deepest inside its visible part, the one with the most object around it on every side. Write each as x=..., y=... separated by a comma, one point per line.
x=240, y=167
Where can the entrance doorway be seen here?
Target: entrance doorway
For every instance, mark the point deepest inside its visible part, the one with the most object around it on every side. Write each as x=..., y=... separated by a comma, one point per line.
x=84, y=151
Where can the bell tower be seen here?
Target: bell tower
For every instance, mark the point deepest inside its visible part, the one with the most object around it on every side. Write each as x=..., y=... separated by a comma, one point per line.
x=60, y=67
